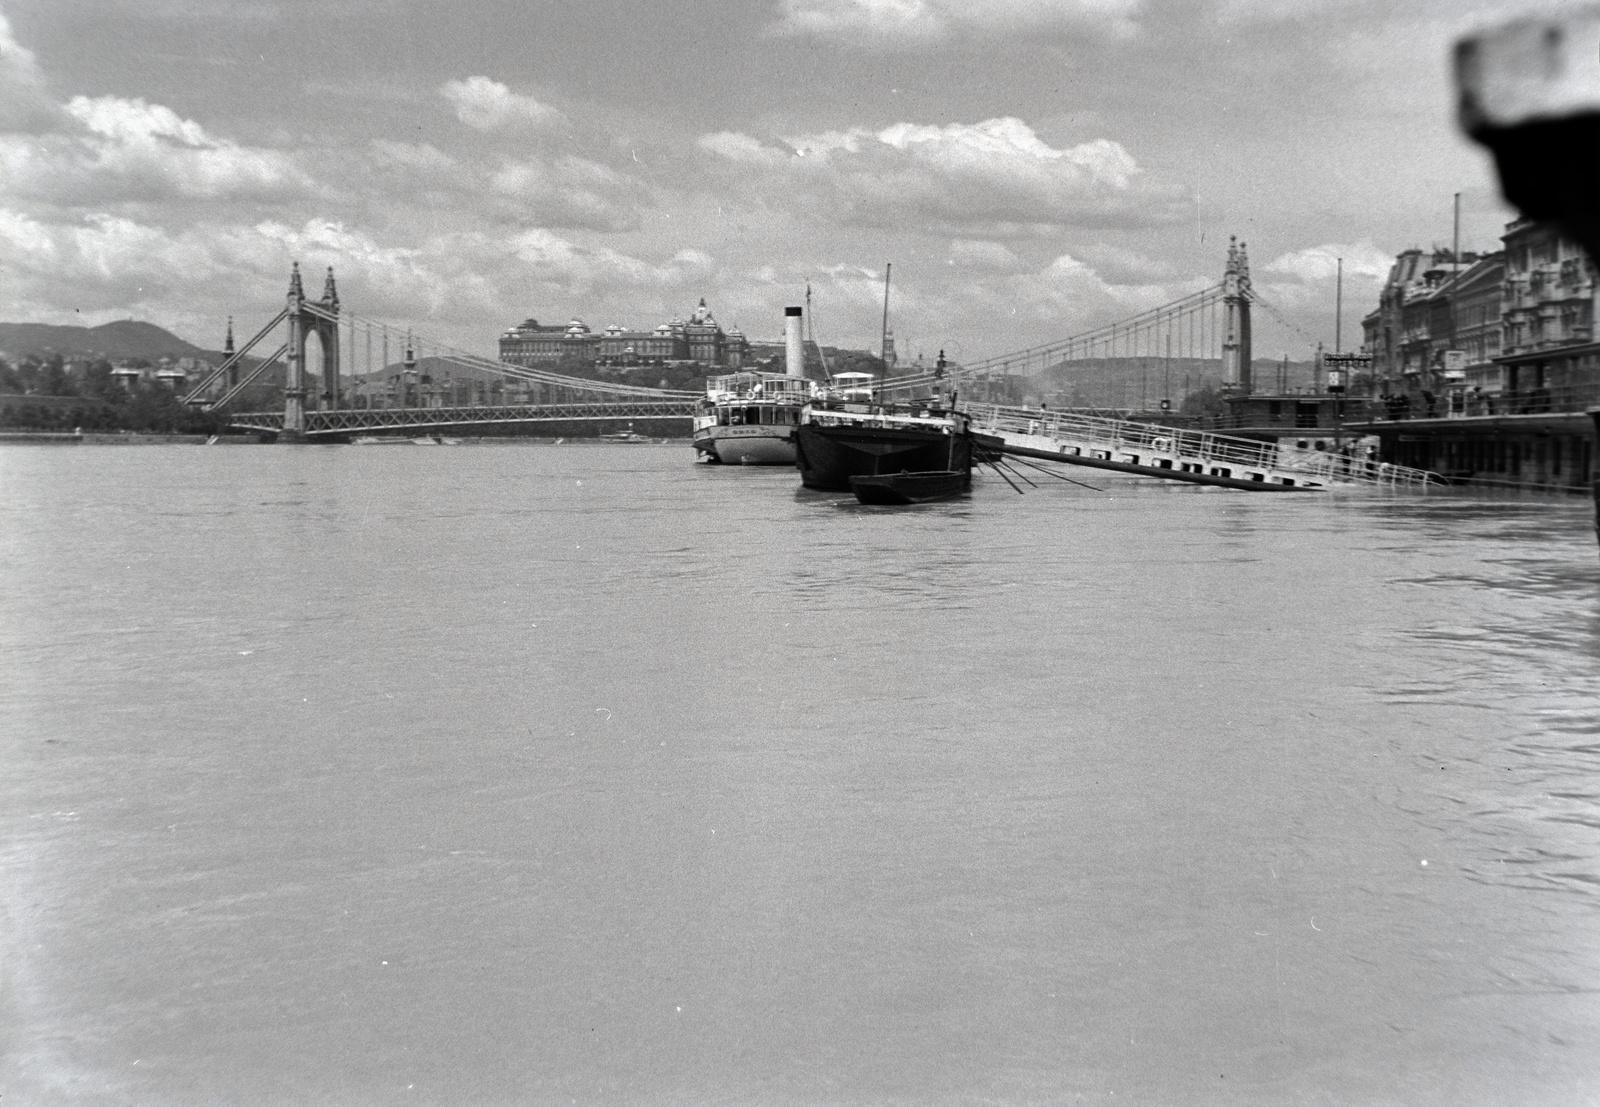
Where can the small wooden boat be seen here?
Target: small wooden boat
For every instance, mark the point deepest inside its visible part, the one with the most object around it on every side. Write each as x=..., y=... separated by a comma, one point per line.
x=629, y=435
x=910, y=488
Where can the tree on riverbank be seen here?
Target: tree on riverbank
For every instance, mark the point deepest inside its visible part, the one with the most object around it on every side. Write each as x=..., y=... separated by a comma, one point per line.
x=40, y=394
x=1203, y=401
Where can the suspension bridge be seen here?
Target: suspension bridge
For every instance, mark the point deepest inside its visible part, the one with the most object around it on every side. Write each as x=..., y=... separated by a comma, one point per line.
x=1209, y=329
x=520, y=395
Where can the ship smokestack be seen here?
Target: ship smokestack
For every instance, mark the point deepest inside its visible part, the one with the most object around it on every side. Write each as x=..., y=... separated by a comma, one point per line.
x=793, y=347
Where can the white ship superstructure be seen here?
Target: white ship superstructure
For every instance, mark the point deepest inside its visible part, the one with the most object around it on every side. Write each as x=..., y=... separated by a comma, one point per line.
x=749, y=418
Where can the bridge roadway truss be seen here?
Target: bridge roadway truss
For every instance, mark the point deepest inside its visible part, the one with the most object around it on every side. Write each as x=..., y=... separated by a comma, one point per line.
x=347, y=421
x=1170, y=453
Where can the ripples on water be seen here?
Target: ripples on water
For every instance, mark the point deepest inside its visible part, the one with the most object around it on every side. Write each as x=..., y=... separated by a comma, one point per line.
x=1533, y=655
x=587, y=774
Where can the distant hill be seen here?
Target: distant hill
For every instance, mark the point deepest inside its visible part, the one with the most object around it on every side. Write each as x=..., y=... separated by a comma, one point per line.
x=437, y=368
x=1123, y=381
x=126, y=338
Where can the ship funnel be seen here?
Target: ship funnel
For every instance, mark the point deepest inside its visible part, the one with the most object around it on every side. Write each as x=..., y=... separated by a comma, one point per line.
x=793, y=348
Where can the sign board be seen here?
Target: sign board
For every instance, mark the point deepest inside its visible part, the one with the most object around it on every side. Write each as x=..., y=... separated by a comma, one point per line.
x=1341, y=367
x=1455, y=365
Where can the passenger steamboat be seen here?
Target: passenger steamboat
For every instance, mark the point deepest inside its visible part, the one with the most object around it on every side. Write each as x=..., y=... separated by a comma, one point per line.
x=750, y=418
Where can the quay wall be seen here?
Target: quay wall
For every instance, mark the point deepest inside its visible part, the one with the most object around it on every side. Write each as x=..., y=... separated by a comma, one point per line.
x=1551, y=452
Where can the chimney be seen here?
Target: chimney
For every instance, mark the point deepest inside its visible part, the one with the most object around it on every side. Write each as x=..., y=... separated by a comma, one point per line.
x=793, y=348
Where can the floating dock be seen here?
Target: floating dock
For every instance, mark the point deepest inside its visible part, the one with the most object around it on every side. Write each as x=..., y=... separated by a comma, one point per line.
x=1171, y=453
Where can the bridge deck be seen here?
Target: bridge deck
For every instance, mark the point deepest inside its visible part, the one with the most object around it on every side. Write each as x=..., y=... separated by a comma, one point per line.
x=345, y=421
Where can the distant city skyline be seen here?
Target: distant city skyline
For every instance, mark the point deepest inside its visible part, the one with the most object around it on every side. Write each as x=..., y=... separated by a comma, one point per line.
x=1032, y=168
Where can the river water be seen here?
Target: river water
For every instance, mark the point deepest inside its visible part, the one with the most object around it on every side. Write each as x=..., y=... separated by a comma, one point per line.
x=586, y=774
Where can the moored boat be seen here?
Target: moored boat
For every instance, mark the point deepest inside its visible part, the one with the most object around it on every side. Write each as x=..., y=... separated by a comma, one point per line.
x=838, y=439
x=749, y=418
x=629, y=435
x=911, y=488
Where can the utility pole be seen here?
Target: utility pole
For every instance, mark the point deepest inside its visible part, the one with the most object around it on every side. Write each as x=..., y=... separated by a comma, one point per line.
x=1338, y=310
x=1166, y=384
x=1455, y=239
x=1455, y=268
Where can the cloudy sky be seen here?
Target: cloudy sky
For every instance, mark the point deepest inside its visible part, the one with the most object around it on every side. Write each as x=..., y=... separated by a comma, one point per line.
x=1031, y=167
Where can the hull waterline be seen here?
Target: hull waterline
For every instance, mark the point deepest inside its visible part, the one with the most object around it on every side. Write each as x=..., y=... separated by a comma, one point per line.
x=829, y=456
x=911, y=488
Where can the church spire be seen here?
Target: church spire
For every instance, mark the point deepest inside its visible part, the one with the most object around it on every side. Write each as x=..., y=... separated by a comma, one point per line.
x=296, y=289
x=330, y=292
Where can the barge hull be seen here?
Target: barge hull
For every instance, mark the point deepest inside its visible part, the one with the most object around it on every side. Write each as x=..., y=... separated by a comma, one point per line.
x=829, y=456
x=911, y=488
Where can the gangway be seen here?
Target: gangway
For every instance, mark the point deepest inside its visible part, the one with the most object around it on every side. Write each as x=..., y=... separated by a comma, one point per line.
x=1172, y=453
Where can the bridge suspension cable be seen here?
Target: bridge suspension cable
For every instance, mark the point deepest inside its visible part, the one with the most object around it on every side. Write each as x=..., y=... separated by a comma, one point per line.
x=424, y=347
x=555, y=385
x=1184, y=330
x=1255, y=298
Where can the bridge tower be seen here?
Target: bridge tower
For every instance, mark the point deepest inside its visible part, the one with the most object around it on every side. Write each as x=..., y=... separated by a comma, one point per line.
x=1236, y=328
x=306, y=317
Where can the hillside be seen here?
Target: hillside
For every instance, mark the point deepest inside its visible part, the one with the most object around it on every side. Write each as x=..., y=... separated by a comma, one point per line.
x=123, y=339
x=1137, y=382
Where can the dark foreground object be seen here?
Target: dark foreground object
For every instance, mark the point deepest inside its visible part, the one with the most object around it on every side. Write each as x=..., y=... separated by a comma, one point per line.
x=911, y=488
x=829, y=456
x=1594, y=413
x=1528, y=90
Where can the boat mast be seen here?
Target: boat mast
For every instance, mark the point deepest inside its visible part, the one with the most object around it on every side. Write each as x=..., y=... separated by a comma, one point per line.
x=811, y=334
x=883, y=347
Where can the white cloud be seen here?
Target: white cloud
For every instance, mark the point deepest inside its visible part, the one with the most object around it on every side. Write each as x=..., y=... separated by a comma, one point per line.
x=487, y=105
x=913, y=19
x=982, y=255
x=1321, y=263
x=116, y=205
x=192, y=277
x=1457, y=12
x=111, y=152
x=996, y=303
x=102, y=263
x=1082, y=297
x=421, y=157
x=1124, y=266
x=570, y=192
x=742, y=148
x=1302, y=286
x=888, y=22
x=987, y=179
x=25, y=105
x=120, y=151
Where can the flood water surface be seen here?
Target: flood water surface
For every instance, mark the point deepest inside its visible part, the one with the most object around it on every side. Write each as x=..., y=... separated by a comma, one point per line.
x=587, y=774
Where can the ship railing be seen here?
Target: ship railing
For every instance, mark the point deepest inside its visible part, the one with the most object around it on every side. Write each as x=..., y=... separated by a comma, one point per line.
x=826, y=417
x=772, y=398
x=757, y=387
x=1120, y=435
